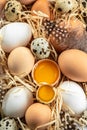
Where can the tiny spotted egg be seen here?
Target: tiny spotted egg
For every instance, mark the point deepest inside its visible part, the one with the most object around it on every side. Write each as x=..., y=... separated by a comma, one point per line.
x=83, y=5
x=8, y=124
x=65, y=6
x=12, y=9
x=40, y=48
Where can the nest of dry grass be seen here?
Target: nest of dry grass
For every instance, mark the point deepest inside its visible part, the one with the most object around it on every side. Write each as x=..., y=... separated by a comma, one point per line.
x=7, y=81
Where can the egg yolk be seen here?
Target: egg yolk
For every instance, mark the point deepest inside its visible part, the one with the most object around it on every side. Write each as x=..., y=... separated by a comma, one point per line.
x=45, y=93
x=46, y=72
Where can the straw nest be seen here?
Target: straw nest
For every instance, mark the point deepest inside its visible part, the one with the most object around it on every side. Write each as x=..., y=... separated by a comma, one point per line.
x=60, y=112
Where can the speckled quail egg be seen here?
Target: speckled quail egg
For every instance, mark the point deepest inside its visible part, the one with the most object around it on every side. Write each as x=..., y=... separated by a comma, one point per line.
x=8, y=124
x=65, y=6
x=83, y=5
x=12, y=9
x=40, y=48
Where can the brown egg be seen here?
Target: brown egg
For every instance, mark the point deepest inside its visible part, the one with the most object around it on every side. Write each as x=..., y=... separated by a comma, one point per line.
x=42, y=6
x=20, y=61
x=26, y=2
x=66, y=35
x=73, y=64
x=2, y=4
x=37, y=114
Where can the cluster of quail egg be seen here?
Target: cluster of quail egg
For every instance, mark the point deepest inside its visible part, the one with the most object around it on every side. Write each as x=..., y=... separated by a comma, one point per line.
x=67, y=122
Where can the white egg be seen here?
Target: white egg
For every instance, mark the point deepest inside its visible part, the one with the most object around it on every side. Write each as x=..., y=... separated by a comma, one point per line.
x=82, y=128
x=8, y=124
x=14, y=35
x=16, y=101
x=85, y=128
x=73, y=96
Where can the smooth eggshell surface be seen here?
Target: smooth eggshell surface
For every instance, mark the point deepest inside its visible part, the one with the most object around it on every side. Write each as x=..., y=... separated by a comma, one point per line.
x=16, y=101
x=73, y=64
x=2, y=4
x=14, y=35
x=37, y=114
x=26, y=2
x=20, y=61
x=73, y=96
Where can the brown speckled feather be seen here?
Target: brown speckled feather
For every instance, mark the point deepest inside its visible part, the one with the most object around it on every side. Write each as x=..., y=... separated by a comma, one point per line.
x=66, y=35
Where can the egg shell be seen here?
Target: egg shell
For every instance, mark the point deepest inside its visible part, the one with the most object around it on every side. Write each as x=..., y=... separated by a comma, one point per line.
x=16, y=101
x=46, y=71
x=27, y=2
x=45, y=94
x=83, y=5
x=12, y=9
x=37, y=114
x=73, y=64
x=65, y=6
x=14, y=35
x=2, y=4
x=40, y=48
x=73, y=96
x=85, y=128
x=8, y=124
x=39, y=6
x=20, y=61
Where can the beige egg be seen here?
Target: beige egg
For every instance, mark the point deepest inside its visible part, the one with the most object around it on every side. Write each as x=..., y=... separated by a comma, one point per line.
x=2, y=4
x=20, y=61
x=37, y=114
x=26, y=2
x=73, y=64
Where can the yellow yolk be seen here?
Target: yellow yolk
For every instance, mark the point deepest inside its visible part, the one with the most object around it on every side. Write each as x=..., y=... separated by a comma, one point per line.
x=45, y=93
x=46, y=72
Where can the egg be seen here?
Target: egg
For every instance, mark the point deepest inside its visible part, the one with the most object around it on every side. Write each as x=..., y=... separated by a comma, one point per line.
x=15, y=34
x=40, y=48
x=46, y=71
x=16, y=101
x=8, y=124
x=27, y=2
x=2, y=4
x=46, y=94
x=83, y=9
x=66, y=6
x=73, y=96
x=39, y=5
x=37, y=114
x=85, y=128
x=73, y=64
x=12, y=9
x=20, y=61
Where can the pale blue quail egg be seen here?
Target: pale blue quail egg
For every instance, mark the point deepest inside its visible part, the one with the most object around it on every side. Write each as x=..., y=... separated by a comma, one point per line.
x=8, y=124
x=40, y=48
